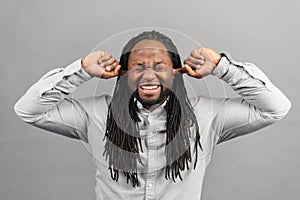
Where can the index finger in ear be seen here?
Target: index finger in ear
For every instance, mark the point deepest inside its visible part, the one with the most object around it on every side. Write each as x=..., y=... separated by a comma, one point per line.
x=116, y=71
x=179, y=70
x=112, y=66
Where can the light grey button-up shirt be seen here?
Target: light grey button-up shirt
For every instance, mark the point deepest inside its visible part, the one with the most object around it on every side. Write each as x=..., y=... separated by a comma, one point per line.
x=46, y=105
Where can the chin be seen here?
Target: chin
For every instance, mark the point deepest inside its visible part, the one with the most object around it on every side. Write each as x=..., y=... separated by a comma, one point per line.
x=149, y=102
x=154, y=100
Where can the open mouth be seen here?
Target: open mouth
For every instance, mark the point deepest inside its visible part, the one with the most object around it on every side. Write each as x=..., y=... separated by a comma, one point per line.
x=149, y=87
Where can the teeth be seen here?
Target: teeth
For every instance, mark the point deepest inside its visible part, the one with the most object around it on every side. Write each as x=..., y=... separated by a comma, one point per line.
x=149, y=87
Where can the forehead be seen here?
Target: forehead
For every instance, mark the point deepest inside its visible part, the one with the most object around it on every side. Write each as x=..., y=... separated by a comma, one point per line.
x=149, y=44
x=149, y=49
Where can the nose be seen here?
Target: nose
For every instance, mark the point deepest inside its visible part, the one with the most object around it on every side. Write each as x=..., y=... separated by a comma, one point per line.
x=149, y=74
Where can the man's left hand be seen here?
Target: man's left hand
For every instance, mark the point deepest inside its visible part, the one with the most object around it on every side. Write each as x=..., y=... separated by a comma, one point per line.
x=201, y=62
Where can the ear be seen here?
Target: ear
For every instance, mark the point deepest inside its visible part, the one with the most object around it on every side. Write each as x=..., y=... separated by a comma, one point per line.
x=122, y=72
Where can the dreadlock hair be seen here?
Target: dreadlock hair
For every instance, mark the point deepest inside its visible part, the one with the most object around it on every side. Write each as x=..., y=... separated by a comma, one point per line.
x=123, y=142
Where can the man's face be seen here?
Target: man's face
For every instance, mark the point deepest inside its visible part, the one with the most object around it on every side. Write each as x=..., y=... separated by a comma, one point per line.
x=150, y=72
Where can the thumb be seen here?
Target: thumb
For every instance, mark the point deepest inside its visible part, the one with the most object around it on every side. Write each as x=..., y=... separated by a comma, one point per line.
x=116, y=71
x=189, y=70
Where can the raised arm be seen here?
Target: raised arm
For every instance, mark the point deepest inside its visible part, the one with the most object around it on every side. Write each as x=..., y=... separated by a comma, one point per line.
x=260, y=102
x=46, y=105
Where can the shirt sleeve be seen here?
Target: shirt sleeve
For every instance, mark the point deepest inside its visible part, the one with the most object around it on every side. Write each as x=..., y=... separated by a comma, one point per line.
x=259, y=105
x=47, y=106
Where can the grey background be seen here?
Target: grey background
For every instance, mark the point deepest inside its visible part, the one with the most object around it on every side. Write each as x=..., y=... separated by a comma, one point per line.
x=37, y=36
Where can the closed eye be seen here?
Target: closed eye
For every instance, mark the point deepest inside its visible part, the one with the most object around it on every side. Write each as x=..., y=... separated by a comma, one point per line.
x=159, y=67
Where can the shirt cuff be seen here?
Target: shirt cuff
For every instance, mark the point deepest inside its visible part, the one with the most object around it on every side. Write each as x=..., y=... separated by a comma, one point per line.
x=76, y=67
x=222, y=66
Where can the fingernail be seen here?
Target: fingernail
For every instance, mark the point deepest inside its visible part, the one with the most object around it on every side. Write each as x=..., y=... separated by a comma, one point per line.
x=108, y=68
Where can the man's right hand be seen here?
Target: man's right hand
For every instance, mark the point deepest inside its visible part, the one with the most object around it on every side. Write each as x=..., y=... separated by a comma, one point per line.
x=100, y=64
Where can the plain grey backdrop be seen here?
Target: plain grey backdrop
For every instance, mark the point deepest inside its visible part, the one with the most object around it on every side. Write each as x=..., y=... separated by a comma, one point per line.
x=37, y=36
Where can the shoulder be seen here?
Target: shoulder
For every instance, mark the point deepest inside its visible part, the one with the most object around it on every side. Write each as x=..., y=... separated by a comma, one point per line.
x=206, y=107
x=96, y=100
x=95, y=103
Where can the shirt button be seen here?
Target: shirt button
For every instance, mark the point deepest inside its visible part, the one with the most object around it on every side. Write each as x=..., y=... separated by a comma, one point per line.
x=149, y=185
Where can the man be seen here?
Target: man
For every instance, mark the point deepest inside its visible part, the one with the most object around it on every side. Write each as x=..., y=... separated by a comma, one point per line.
x=150, y=140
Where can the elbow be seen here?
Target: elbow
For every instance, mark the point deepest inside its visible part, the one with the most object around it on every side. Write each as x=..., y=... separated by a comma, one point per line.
x=24, y=114
x=287, y=109
x=19, y=111
x=280, y=112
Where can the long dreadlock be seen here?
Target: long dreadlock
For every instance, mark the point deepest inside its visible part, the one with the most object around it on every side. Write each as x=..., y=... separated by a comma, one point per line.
x=123, y=142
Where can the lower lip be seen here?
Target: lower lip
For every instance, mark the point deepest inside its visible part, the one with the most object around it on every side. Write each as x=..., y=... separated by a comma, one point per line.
x=148, y=92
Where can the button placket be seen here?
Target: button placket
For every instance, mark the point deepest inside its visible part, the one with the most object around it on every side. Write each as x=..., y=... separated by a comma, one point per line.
x=151, y=175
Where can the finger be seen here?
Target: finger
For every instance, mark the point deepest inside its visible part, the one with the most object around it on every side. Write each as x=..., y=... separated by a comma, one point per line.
x=189, y=70
x=108, y=62
x=179, y=70
x=116, y=71
x=197, y=53
x=108, y=68
x=104, y=57
x=112, y=73
x=105, y=75
x=115, y=64
x=196, y=61
x=200, y=51
x=112, y=66
x=192, y=65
